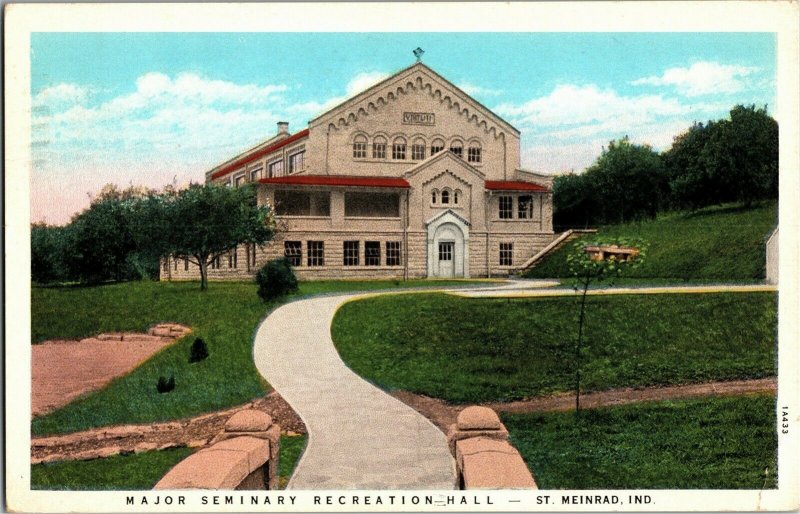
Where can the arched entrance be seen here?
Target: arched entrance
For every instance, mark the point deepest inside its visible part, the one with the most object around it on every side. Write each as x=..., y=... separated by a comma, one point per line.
x=448, y=246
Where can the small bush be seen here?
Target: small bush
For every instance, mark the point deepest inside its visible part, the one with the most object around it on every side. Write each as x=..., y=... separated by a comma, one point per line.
x=165, y=385
x=199, y=351
x=276, y=278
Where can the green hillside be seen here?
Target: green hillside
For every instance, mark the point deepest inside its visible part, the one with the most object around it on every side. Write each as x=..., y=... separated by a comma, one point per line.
x=717, y=243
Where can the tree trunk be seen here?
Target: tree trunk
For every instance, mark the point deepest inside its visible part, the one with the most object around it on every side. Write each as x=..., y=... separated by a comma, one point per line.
x=578, y=348
x=203, y=273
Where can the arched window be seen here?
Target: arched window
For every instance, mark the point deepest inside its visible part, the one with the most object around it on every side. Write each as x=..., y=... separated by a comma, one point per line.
x=456, y=194
x=445, y=197
x=434, y=196
x=360, y=147
x=399, y=149
x=457, y=148
x=474, y=152
x=437, y=146
x=418, y=150
x=379, y=147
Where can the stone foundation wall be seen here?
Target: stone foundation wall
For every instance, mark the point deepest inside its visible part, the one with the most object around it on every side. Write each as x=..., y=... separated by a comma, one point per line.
x=416, y=254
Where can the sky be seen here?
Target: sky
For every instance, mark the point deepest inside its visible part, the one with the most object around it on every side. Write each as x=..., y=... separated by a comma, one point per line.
x=162, y=108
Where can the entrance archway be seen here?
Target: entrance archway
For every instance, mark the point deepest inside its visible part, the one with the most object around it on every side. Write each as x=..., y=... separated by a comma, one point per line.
x=448, y=246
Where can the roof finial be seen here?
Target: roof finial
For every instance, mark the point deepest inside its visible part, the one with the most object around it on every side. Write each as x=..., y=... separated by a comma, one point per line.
x=418, y=53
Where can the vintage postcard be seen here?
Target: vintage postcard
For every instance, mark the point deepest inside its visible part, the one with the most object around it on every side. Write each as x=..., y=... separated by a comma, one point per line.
x=402, y=257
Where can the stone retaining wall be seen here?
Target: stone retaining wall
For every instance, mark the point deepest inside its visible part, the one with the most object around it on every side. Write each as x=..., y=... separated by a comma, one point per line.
x=484, y=457
x=243, y=456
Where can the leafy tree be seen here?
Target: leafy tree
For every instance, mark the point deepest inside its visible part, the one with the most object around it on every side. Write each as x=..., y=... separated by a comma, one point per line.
x=727, y=160
x=575, y=204
x=629, y=182
x=203, y=222
x=585, y=271
x=47, y=251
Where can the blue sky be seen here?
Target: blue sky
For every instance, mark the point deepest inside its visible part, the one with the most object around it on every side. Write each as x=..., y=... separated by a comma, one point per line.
x=145, y=108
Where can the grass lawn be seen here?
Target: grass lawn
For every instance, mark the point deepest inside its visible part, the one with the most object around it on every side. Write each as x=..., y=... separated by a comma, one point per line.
x=709, y=443
x=717, y=243
x=226, y=316
x=138, y=471
x=474, y=350
x=291, y=449
x=135, y=471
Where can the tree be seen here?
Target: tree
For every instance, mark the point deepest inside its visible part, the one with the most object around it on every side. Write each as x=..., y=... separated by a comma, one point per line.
x=585, y=271
x=730, y=160
x=47, y=251
x=204, y=222
x=575, y=204
x=629, y=181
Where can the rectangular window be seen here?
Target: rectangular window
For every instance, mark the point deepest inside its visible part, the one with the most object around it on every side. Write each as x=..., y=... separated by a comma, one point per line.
x=316, y=253
x=293, y=251
x=506, y=254
x=418, y=152
x=525, y=207
x=473, y=154
x=445, y=251
x=359, y=150
x=371, y=205
x=215, y=263
x=379, y=151
x=232, y=259
x=297, y=161
x=506, y=207
x=351, y=253
x=393, y=253
x=372, y=253
x=255, y=174
x=238, y=181
x=275, y=169
x=253, y=255
x=185, y=264
x=398, y=151
x=302, y=203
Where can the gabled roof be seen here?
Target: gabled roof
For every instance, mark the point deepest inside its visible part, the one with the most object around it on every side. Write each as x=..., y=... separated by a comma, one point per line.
x=352, y=105
x=444, y=154
x=338, y=181
x=448, y=212
x=247, y=158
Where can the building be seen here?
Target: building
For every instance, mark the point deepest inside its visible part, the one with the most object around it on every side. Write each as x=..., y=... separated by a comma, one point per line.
x=410, y=178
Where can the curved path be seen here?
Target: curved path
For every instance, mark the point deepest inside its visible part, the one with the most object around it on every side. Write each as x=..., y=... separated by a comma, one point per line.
x=359, y=436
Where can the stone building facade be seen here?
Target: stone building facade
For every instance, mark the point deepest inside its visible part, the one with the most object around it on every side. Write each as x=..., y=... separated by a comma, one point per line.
x=411, y=178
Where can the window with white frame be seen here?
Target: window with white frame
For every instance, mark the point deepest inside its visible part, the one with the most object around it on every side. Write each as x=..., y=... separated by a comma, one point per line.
x=360, y=147
x=393, y=253
x=275, y=169
x=379, y=147
x=506, y=211
x=297, y=161
x=437, y=146
x=399, y=149
x=506, y=254
x=372, y=253
x=525, y=207
x=457, y=148
x=474, y=152
x=350, y=251
x=316, y=253
x=255, y=174
x=293, y=251
x=418, y=150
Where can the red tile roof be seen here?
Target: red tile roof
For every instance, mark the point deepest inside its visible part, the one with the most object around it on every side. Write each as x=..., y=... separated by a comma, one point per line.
x=514, y=185
x=261, y=153
x=338, y=180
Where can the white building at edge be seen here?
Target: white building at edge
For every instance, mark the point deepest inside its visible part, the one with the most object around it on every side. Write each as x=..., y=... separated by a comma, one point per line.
x=411, y=178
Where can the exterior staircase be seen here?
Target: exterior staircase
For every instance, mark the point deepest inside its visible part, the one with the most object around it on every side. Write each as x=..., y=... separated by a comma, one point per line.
x=562, y=239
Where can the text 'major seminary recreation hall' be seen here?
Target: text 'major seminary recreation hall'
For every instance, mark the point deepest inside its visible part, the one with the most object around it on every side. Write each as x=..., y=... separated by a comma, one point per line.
x=411, y=178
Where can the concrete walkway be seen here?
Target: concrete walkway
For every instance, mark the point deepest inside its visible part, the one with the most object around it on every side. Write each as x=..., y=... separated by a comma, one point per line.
x=532, y=289
x=359, y=436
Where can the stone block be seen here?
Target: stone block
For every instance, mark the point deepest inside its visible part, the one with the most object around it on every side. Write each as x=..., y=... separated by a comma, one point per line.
x=249, y=420
x=478, y=418
x=207, y=469
x=256, y=450
x=112, y=336
x=491, y=464
x=145, y=447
